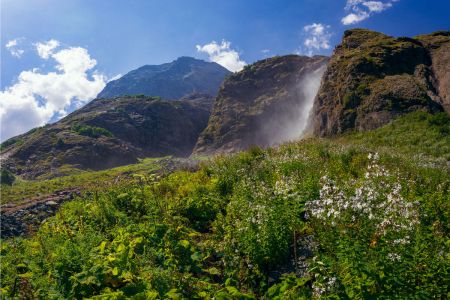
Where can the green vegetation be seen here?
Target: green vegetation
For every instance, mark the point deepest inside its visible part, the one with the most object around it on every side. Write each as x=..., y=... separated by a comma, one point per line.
x=6, y=177
x=371, y=208
x=91, y=131
x=84, y=180
x=417, y=134
x=10, y=142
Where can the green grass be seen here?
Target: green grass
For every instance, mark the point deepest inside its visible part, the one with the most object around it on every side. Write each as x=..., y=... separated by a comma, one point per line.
x=377, y=227
x=84, y=180
x=416, y=134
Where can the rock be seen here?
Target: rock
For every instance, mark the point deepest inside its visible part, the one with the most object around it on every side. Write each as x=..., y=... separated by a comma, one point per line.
x=27, y=216
x=372, y=78
x=438, y=46
x=173, y=80
x=264, y=104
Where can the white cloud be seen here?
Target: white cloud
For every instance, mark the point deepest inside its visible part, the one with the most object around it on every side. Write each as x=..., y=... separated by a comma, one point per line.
x=376, y=6
x=37, y=98
x=46, y=49
x=223, y=55
x=317, y=37
x=360, y=10
x=12, y=47
x=354, y=18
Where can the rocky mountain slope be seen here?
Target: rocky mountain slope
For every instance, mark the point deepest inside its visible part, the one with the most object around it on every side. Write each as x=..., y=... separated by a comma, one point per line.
x=170, y=80
x=264, y=104
x=107, y=133
x=372, y=78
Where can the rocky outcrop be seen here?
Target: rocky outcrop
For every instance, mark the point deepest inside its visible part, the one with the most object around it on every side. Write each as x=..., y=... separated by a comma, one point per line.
x=25, y=218
x=438, y=46
x=108, y=133
x=372, y=78
x=169, y=81
x=264, y=104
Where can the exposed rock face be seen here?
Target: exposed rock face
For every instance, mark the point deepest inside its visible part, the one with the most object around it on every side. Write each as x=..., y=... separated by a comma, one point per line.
x=108, y=133
x=438, y=45
x=372, y=78
x=264, y=104
x=170, y=81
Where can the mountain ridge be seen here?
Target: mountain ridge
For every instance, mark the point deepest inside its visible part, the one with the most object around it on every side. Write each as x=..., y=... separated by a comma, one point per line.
x=108, y=133
x=172, y=80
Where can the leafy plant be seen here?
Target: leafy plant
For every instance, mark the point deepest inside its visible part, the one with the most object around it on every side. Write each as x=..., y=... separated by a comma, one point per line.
x=91, y=131
x=362, y=216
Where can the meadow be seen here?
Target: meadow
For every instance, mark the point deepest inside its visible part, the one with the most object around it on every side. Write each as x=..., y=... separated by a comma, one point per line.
x=360, y=216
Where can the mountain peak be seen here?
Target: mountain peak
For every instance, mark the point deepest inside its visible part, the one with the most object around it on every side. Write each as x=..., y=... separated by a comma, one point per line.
x=188, y=59
x=173, y=80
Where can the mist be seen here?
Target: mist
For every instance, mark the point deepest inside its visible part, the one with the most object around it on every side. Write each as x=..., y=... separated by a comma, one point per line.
x=291, y=120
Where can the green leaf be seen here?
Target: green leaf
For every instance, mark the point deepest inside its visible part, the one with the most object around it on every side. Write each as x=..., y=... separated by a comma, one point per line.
x=213, y=271
x=184, y=243
x=115, y=271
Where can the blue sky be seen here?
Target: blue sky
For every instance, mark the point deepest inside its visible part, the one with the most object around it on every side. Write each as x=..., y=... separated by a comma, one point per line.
x=113, y=37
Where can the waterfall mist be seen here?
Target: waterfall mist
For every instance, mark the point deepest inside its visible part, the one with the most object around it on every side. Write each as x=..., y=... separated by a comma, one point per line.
x=290, y=121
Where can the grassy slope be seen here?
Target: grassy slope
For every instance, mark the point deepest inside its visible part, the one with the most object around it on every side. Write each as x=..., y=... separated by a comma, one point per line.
x=84, y=180
x=227, y=230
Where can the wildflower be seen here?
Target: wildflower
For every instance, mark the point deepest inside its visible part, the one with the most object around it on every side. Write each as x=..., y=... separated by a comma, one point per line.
x=394, y=256
x=377, y=200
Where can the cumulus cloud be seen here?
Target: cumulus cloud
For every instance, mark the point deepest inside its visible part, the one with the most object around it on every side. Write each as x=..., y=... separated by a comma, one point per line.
x=13, y=47
x=317, y=37
x=46, y=49
x=360, y=10
x=38, y=97
x=223, y=55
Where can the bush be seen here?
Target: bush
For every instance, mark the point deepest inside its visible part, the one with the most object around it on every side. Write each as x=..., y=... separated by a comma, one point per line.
x=6, y=177
x=440, y=121
x=316, y=219
x=91, y=131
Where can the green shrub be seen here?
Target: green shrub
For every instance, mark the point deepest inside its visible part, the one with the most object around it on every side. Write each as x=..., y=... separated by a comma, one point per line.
x=6, y=177
x=358, y=225
x=351, y=100
x=92, y=131
x=10, y=142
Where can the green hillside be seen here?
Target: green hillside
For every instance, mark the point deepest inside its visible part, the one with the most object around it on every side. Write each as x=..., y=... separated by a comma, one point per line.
x=360, y=216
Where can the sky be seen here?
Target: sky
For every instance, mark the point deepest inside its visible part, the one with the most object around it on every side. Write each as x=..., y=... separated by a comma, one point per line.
x=57, y=55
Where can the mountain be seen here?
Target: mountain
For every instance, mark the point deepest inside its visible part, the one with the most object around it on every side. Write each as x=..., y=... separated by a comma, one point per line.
x=173, y=80
x=264, y=104
x=107, y=133
x=372, y=78
x=360, y=215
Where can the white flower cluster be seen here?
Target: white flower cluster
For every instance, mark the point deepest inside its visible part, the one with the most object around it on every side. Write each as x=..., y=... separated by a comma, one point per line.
x=394, y=256
x=376, y=199
x=285, y=187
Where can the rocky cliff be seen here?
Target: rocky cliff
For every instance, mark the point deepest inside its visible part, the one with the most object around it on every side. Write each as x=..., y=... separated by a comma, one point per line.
x=264, y=104
x=372, y=78
x=173, y=80
x=108, y=133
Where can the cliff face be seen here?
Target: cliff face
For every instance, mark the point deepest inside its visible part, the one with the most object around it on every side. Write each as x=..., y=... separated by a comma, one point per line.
x=169, y=81
x=108, y=133
x=264, y=104
x=438, y=46
x=372, y=78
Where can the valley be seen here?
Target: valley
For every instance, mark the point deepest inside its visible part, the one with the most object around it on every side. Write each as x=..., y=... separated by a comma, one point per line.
x=297, y=177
